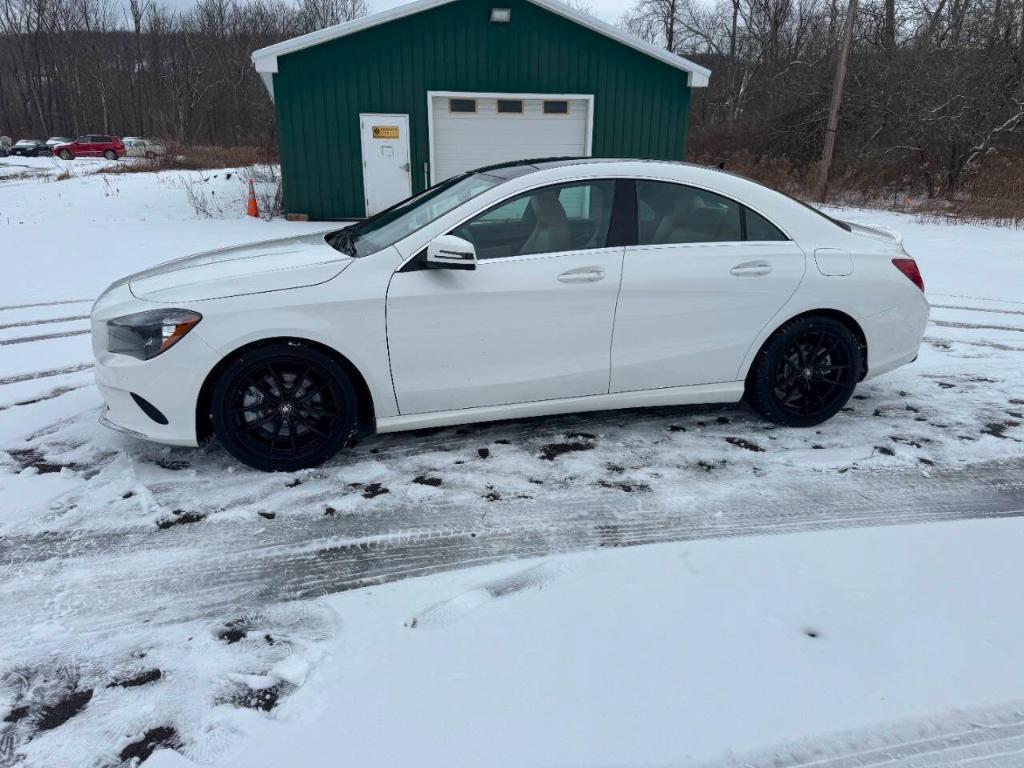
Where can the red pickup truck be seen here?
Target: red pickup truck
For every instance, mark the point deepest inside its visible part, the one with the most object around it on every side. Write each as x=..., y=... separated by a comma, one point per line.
x=91, y=145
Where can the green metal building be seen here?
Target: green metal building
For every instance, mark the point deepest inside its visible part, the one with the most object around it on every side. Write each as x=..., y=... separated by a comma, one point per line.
x=376, y=109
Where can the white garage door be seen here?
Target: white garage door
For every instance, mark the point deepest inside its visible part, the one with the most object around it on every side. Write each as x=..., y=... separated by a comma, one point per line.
x=470, y=131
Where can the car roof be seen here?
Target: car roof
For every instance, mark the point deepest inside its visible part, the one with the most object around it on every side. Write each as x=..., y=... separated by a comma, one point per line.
x=521, y=167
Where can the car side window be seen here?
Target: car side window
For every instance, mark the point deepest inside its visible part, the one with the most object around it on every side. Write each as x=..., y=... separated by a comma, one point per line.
x=670, y=213
x=759, y=228
x=566, y=217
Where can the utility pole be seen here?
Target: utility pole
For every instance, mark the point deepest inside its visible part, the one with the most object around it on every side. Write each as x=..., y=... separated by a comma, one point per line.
x=825, y=166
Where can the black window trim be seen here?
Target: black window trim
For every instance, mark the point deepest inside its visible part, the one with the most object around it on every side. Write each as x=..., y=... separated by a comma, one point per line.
x=623, y=227
x=743, y=217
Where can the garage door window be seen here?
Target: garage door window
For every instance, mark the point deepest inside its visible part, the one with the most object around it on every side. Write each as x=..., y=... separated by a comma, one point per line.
x=510, y=106
x=567, y=217
x=556, y=107
x=462, y=105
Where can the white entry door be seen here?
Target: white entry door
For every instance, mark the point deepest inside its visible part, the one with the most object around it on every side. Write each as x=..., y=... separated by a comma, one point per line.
x=387, y=176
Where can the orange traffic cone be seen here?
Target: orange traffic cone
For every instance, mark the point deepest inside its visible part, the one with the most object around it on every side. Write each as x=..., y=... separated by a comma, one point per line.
x=252, y=210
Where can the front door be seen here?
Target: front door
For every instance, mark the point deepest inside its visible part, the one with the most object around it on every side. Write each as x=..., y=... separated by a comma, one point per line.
x=706, y=275
x=532, y=322
x=387, y=173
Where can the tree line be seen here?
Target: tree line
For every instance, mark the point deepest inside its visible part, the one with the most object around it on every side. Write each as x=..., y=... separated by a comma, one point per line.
x=935, y=87
x=69, y=67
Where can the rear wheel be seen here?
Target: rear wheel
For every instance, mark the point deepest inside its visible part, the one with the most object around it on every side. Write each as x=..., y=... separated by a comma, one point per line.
x=806, y=372
x=110, y=154
x=284, y=407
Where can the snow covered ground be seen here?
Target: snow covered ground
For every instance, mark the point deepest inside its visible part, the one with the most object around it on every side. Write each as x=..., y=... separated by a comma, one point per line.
x=169, y=597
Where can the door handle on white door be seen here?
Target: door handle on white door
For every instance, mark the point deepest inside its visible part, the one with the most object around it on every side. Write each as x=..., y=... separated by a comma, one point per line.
x=751, y=269
x=582, y=275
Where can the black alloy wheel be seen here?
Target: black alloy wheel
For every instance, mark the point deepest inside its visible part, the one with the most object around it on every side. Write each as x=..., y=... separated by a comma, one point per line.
x=806, y=372
x=284, y=407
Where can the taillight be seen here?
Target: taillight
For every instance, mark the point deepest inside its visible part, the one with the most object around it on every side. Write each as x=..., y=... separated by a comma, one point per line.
x=909, y=268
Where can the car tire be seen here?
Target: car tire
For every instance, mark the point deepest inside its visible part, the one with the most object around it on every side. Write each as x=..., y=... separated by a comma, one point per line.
x=110, y=154
x=65, y=155
x=805, y=372
x=284, y=407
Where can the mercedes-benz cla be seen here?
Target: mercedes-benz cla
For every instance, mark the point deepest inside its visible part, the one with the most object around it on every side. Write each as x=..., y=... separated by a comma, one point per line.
x=521, y=290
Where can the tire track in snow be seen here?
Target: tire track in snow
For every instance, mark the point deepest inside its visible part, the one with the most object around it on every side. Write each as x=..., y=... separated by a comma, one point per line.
x=46, y=304
x=979, y=309
x=113, y=581
x=50, y=395
x=45, y=374
x=47, y=321
x=975, y=326
x=43, y=337
x=989, y=738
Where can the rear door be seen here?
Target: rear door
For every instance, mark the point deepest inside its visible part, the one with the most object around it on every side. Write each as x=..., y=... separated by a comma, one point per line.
x=704, y=278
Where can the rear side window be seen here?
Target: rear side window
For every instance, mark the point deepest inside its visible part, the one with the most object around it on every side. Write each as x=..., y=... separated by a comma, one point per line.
x=759, y=228
x=673, y=213
x=669, y=213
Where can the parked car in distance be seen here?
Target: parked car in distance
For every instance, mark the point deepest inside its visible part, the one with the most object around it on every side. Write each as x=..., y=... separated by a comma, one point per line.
x=134, y=146
x=525, y=289
x=5, y=146
x=30, y=148
x=91, y=145
x=55, y=140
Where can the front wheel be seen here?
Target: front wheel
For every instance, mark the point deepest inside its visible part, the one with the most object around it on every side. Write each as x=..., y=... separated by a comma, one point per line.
x=65, y=155
x=284, y=407
x=805, y=372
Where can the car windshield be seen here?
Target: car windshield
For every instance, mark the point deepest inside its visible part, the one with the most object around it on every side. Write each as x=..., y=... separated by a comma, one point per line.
x=26, y=143
x=388, y=227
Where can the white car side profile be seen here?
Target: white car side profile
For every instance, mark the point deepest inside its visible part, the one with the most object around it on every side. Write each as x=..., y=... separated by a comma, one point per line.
x=520, y=290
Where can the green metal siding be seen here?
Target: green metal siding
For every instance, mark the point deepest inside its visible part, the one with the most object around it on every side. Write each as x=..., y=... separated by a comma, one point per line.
x=640, y=103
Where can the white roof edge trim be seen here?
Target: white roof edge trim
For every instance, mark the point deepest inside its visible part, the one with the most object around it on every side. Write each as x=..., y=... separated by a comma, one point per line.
x=265, y=59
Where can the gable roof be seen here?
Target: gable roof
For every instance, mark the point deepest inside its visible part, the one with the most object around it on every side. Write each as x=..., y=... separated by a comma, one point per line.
x=265, y=59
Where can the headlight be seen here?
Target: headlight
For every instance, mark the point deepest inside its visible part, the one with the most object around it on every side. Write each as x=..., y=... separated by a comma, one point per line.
x=146, y=334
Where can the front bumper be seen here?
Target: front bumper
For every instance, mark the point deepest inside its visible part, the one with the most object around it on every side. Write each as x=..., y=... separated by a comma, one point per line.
x=171, y=382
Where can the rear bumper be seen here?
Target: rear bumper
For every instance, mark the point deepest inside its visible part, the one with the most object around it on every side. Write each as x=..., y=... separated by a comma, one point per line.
x=894, y=336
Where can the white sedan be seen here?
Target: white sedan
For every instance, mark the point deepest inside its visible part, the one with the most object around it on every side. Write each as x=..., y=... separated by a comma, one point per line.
x=521, y=290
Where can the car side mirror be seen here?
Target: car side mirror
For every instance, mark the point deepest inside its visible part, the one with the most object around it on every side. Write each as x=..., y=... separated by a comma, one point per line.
x=450, y=252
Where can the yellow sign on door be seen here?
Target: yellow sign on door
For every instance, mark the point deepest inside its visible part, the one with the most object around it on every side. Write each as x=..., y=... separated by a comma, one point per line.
x=385, y=131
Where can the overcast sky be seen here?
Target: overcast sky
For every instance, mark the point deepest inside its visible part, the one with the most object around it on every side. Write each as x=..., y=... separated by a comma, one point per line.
x=607, y=10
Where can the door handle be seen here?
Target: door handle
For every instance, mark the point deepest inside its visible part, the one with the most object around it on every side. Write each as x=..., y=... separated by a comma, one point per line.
x=751, y=269
x=582, y=275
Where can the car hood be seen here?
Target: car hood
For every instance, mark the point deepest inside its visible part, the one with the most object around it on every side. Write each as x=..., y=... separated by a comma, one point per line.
x=271, y=265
